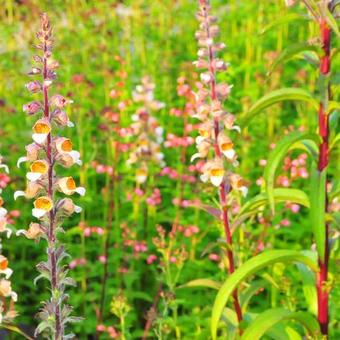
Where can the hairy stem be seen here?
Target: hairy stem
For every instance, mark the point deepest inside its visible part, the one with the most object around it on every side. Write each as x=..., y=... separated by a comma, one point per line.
x=51, y=228
x=222, y=191
x=325, y=68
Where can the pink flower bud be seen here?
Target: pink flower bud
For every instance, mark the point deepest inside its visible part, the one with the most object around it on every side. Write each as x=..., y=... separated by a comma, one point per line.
x=32, y=107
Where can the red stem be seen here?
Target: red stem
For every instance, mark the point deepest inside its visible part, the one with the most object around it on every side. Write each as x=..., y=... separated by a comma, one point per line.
x=51, y=230
x=325, y=68
x=222, y=191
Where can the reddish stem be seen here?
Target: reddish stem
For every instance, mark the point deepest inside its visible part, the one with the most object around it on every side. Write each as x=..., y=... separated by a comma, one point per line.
x=222, y=191
x=51, y=229
x=322, y=276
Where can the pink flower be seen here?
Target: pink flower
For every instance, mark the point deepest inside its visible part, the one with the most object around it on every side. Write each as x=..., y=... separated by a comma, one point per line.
x=151, y=259
x=102, y=258
x=214, y=257
x=15, y=213
x=285, y=223
x=87, y=232
x=101, y=328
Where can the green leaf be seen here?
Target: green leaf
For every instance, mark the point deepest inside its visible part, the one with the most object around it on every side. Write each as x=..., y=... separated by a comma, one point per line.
x=328, y=16
x=277, y=155
x=248, y=293
x=253, y=266
x=271, y=317
x=308, y=287
x=291, y=52
x=209, y=283
x=332, y=106
x=15, y=329
x=275, y=97
x=282, y=20
x=251, y=207
x=317, y=210
x=335, y=141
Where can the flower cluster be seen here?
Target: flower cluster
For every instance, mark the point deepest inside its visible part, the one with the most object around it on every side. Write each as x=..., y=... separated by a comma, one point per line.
x=7, y=313
x=43, y=154
x=148, y=134
x=215, y=121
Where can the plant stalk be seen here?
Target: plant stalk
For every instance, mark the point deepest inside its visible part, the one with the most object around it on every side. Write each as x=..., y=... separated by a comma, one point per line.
x=325, y=68
x=51, y=229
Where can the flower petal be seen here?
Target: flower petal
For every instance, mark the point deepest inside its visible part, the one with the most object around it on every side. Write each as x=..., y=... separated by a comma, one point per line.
x=39, y=138
x=38, y=213
x=21, y=160
x=81, y=191
x=33, y=176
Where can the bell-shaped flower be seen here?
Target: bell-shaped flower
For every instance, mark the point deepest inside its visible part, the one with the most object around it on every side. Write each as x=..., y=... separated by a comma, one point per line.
x=239, y=184
x=32, y=107
x=39, y=169
x=32, y=154
x=34, y=86
x=141, y=175
x=205, y=131
x=67, y=185
x=42, y=206
x=66, y=155
x=41, y=130
x=6, y=290
x=31, y=191
x=4, y=267
x=226, y=146
x=67, y=206
x=203, y=150
x=228, y=121
x=34, y=231
x=213, y=171
x=61, y=118
x=60, y=101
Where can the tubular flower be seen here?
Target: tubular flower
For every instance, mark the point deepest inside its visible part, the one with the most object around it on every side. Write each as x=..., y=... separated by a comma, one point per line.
x=215, y=121
x=148, y=135
x=214, y=142
x=7, y=312
x=46, y=150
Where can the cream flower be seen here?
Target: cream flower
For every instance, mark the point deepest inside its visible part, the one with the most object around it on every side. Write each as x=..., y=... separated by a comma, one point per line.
x=205, y=131
x=34, y=231
x=203, y=150
x=68, y=207
x=4, y=267
x=67, y=185
x=41, y=130
x=32, y=190
x=226, y=146
x=39, y=169
x=141, y=175
x=32, y=153
x=239, y=184
x=66, y=155
x=6, y=290
x=42, y=206
x=213, y=171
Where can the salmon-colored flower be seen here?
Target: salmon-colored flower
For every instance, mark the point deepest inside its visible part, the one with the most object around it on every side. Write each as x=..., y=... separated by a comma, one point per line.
x=41, y=130
x=42, y=206
x=34, y=231
x=67, y=185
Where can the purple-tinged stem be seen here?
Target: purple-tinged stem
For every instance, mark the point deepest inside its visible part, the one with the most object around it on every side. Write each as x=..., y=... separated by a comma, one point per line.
x=51, y=228
x=222, y=191
x=322, y=276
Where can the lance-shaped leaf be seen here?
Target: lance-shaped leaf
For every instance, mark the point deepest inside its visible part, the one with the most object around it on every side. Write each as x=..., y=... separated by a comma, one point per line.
x=317, y=209
x=253, y=266
x=266, y=320
x=291, y=52
x=275, y=97
x=208, y=283
x=308, y=287
x=277, y=155
x=251, y=207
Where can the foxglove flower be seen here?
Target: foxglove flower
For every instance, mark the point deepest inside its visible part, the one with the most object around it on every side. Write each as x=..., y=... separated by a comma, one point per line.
x=214, y=143
x=7, y=312
x=147, y=132
x=43, y=182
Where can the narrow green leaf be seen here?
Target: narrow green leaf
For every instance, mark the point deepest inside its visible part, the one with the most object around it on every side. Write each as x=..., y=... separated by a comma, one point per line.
x=275, y=97
x=329, y=18
x=253, y=266
x=277, y=155
x=335, y=141
x=15, y=329
x=308, y=287
x=271, y=317
x=209, y=283
x=317, y=210
x=291, y=52
x=282, y=20
x=251, y=207
x=250, y=291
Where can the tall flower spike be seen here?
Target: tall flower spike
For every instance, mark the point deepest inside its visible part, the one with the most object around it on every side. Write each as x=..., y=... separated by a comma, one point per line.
x=46, y=150
x=7, y=312
x=214, y=143
x=147, y=131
